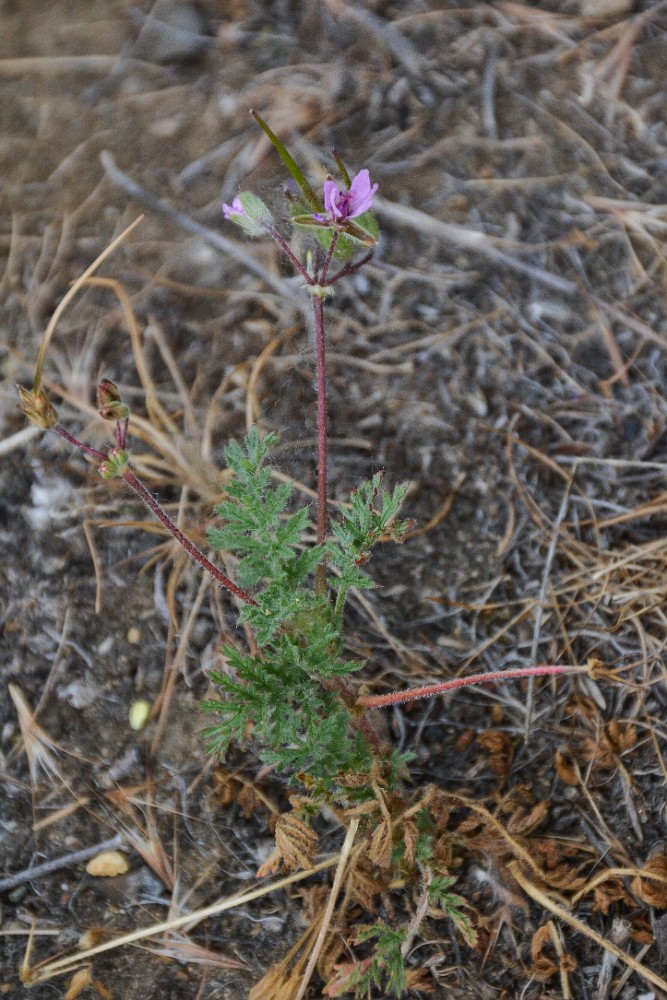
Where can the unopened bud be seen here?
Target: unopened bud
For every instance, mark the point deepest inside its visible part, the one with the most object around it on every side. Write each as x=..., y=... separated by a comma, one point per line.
x=116, y=464
x=109, y=404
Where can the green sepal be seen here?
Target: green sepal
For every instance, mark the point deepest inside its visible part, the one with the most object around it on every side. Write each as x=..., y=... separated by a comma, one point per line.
x=255, y=208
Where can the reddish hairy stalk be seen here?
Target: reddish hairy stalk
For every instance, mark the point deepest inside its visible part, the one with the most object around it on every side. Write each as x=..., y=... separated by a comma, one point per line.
x=328, y=259
x=138, y=487
x=397, y=697
x=59, y=429
x=318, y=309
x=286, y=249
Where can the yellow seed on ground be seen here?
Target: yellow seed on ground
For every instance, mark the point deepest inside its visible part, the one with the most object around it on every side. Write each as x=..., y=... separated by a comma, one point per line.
x=108, y=864
x=139, y=714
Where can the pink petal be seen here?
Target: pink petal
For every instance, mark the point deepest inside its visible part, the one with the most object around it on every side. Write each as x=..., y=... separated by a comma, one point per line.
x=236, y=208
x=331, y=195
x=361, y=194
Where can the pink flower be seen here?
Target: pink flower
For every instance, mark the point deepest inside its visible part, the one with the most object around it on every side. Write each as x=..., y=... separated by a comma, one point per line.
x=343, y=205
x=236, y=208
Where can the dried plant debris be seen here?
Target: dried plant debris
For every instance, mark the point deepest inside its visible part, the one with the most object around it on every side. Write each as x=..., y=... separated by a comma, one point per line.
x=504, y=351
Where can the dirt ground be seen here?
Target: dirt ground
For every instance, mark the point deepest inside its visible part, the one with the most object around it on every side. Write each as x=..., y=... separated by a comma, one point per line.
x=505, y=351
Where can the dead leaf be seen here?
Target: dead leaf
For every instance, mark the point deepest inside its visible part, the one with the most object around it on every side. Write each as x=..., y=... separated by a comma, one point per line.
x=544, y=967
x=380, y=848
x=365, y=889
x=566, y=768
x=653, y=891
x=277, y=984
x=410, y=838
x=524, y=822
x=465, y=740
x=296, y=845
x=621, y=735
x=608, y=893
x=501, y=748
x=80, y=980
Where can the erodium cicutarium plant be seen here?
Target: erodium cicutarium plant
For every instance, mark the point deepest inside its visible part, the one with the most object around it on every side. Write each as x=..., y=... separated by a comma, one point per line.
x=289, y=696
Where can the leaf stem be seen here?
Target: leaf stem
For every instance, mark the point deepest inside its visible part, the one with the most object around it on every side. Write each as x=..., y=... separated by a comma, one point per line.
x=138, y=487
x=59, y=429
x=327, y=262
x=287, y=250
x=397, y=697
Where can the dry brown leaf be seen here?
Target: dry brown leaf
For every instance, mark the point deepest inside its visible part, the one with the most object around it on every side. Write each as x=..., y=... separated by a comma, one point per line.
x=420, y=980
x=92, y=937
x=551, y=853
x=524, y=822
x=608, y=893
x=296, y=845
x=600, y=752
x=80, y=980
x=501, y=748
x=410, y=838
x=441, y=811
x=642, y=931
x=313, y=900
x=465, y=740
x=247, y=800
x=365, y=889
x=380, y=847
x=272, y=984
x=471, y=824
x=108, y=864
x=653, y=891
x=564, y=877
x=621, y=735
x=544, y=966
x=566, y=768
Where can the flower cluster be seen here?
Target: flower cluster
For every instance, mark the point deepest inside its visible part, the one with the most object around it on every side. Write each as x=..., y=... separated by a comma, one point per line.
x=340, y=205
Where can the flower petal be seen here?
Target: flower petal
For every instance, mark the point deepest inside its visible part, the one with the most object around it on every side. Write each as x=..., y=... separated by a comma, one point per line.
x=361, y=194
x=236, y=208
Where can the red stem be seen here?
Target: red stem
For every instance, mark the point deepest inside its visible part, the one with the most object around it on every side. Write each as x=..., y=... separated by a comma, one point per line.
x=397, y=697
x=59, y=429
x=138, y=487
x=328, y=259
x=318, y=309
x=284, y=246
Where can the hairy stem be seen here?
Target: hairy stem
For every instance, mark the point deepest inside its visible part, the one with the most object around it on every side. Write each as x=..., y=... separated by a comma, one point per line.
x=328, y=259
x=287, y=250
x=318, y=309
x=138, y=487
x=348, y=269
x=59, y=429
x=397, y=697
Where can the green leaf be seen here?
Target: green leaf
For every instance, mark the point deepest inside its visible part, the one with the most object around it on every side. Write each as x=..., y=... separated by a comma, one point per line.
x=297, y=173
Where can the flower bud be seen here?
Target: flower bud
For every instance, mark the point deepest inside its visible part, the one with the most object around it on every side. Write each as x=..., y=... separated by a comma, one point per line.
x=116, y=464
x=250, y=213
x=109, y=404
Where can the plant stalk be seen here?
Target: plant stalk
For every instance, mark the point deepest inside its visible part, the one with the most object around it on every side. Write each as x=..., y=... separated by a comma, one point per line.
x=138, y=487
x=318, y=310
x=398, y=697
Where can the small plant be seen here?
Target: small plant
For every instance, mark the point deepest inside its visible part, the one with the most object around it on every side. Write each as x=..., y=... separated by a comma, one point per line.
x=289, y=696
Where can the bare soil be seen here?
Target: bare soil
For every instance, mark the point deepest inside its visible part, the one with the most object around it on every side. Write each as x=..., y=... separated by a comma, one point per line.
x=505, y=351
